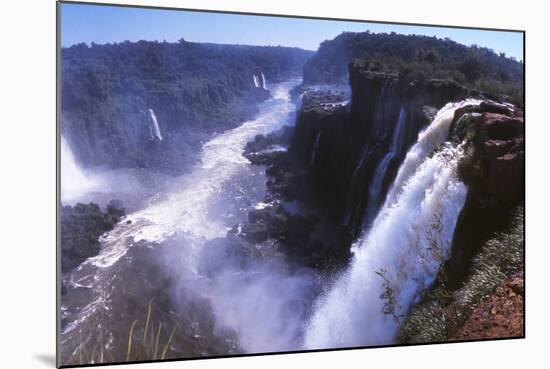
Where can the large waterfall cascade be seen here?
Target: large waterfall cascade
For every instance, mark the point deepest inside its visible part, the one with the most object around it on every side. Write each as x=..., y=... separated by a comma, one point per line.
x=400, y=254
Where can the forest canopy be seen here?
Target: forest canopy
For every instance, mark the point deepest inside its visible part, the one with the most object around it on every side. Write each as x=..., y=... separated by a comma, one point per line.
x=417, y=57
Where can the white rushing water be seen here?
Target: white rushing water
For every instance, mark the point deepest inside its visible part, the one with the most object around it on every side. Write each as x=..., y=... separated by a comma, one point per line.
x=75, y=182
x=256, y=82
x=435, y=134
x=266, y=304
x=187, y=210
x=154, y=128
x=399, y=256
x=177, y=225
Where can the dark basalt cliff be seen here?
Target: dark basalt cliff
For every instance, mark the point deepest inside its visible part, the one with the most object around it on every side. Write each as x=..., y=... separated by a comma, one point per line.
x=398, y=83
x=110, y=92
x=334, y=151
x=342, y=148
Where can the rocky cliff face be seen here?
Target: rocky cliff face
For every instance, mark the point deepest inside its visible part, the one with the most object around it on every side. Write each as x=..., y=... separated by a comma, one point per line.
x=117, y=132
x=350, y=150
x=345, y=145
x=493, y=170
x=151, y=104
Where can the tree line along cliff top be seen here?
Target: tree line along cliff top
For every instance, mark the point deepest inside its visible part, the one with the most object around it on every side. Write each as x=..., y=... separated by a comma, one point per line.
x=416, y=57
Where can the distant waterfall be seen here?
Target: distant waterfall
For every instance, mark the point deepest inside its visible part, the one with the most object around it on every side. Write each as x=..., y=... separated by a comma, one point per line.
x=315, y=148
x=264, y=85
x=259, y=82
x=154, y=127
x=400, y=255
x=375, y=189
x=74, y=181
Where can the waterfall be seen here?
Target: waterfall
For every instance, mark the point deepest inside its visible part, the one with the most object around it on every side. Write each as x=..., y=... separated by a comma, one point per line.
x=256, y=82
x=154, y=128
x=264, y=85
x=375, y=189
x=315, y=147
x=428, y=140
x=401, y=253
x=74, y=181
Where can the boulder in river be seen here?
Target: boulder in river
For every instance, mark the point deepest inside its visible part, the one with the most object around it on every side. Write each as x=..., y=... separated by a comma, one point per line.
x=255, y=232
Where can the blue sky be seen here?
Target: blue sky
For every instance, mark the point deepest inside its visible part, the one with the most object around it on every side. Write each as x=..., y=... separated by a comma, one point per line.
x=102, y=24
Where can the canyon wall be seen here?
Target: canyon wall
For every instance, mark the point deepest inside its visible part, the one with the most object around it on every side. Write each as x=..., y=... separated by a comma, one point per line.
x=110, y=94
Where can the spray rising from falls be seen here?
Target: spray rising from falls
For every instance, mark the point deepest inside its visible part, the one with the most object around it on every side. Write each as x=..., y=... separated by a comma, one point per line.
x=154, y=128
x=401, y=253
x=74, y=181
x=179, y=226
x=188, y=210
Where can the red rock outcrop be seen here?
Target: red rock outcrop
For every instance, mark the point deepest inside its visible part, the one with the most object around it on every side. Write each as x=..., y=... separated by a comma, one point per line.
x=499, y=315
x=494, y=172
x=501, y=142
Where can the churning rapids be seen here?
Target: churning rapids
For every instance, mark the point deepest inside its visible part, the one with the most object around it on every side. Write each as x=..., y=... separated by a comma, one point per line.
x=155, y=280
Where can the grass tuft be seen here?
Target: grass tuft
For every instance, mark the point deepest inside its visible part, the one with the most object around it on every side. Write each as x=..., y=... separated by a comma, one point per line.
x=139, y=346
x=442, y=311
